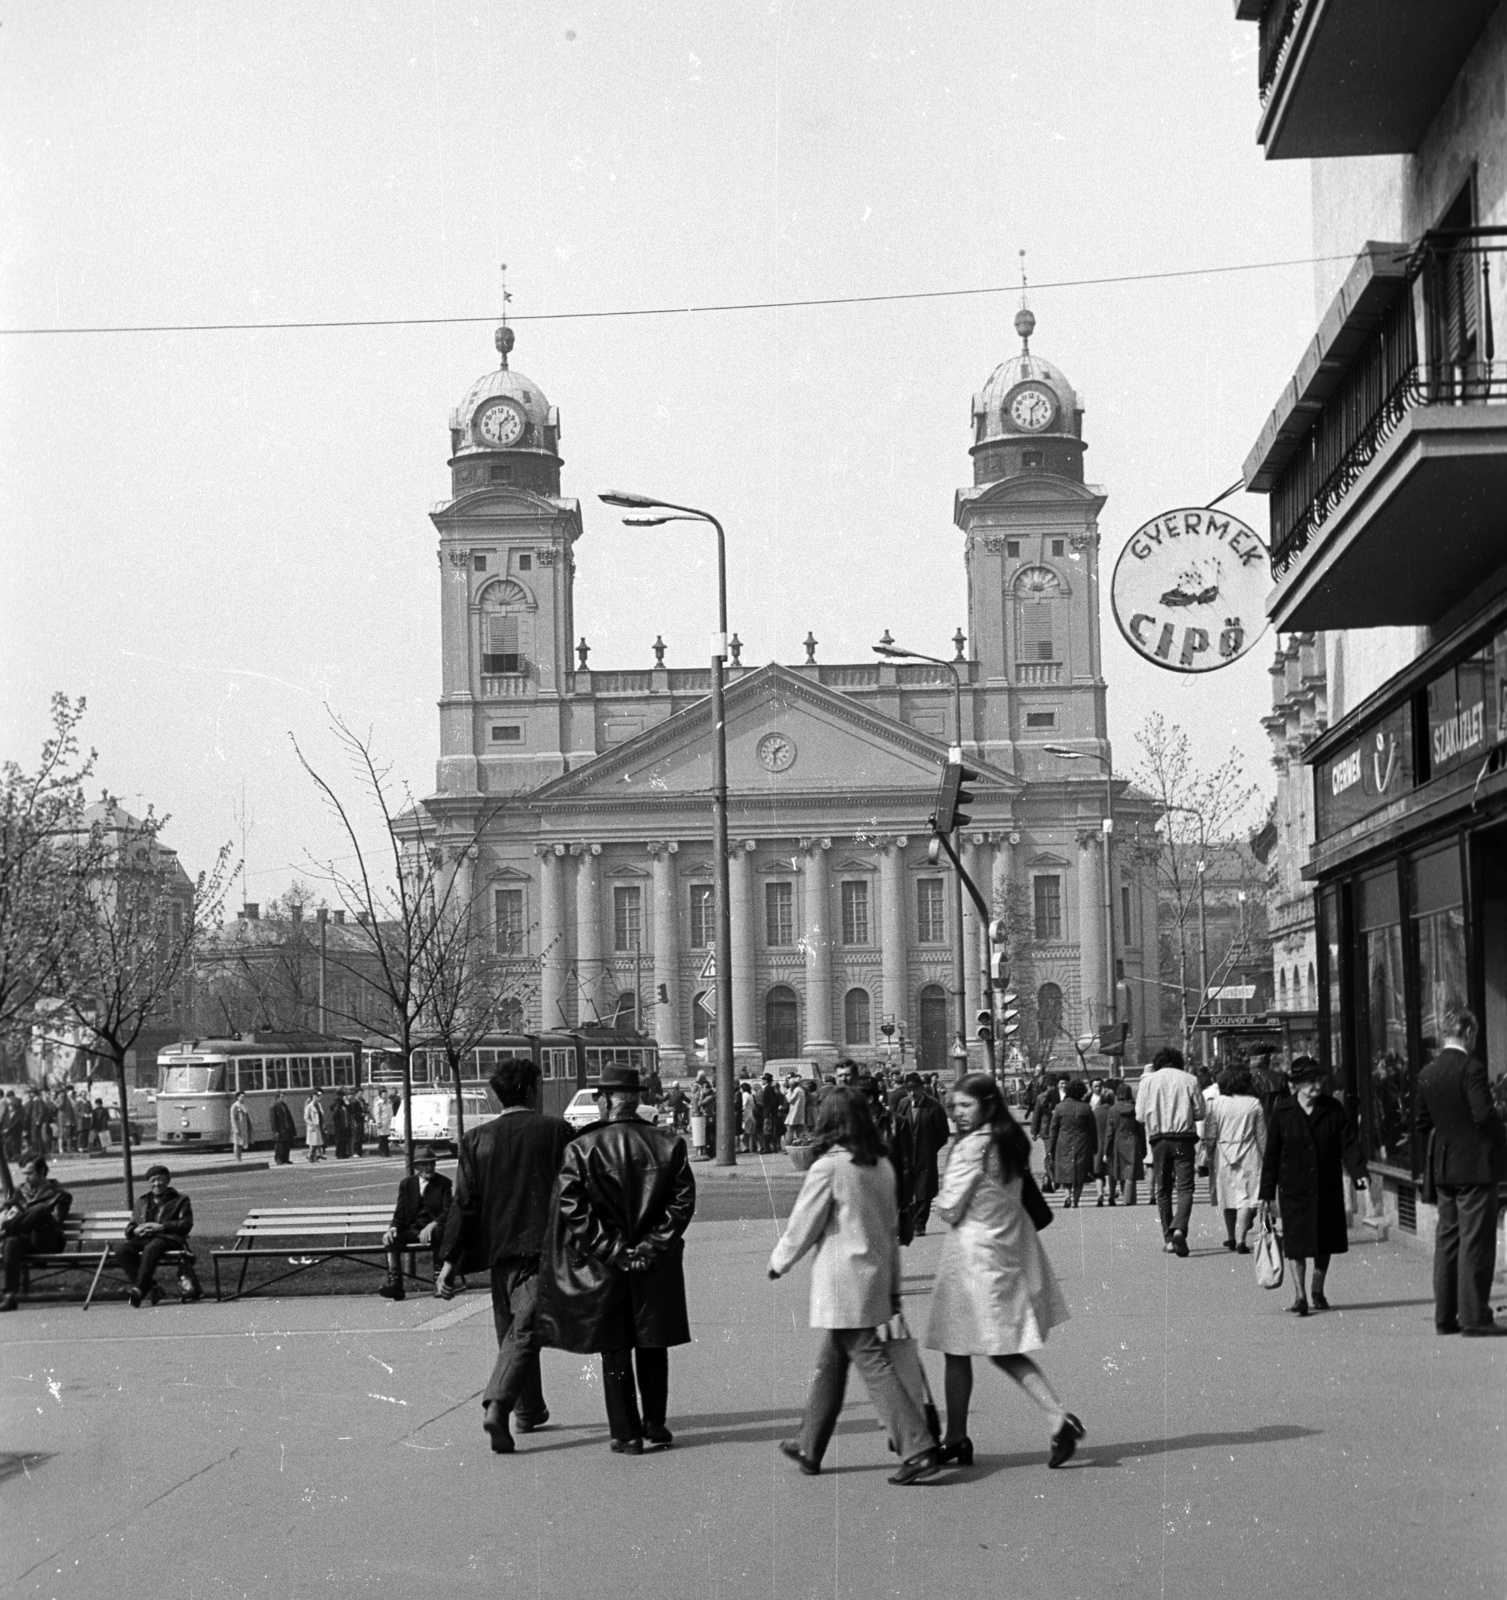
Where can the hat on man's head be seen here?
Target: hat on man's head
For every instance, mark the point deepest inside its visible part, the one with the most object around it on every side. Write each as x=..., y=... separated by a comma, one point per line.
x=157, y=1171
x=1304, y=1070
x=624, y=1078
x=424, y=1156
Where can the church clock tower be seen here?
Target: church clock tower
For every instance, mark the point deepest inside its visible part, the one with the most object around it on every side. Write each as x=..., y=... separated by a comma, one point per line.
x=506, y=574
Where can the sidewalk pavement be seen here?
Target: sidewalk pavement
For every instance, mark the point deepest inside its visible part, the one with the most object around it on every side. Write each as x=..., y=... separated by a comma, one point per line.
x=85, y=1172
x=333, y=1447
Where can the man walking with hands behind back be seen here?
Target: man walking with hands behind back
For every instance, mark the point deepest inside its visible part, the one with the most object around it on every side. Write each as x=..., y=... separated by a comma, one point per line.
x=1467, y=1162
x=1170, y=1107
x=504, y=1178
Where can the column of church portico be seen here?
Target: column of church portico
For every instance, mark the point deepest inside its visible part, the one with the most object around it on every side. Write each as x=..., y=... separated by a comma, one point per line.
x=1090, y=934
x=892, y=962
x=819, y=1035
x=554, y=952
x=589, y=967
x=666, y=1011
x=741, y=915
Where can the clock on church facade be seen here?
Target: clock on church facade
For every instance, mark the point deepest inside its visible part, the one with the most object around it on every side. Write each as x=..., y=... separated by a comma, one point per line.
x=585, y=789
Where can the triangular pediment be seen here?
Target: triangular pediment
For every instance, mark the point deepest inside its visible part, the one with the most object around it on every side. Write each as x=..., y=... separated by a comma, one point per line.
x=1045, y=858
x=789, y=738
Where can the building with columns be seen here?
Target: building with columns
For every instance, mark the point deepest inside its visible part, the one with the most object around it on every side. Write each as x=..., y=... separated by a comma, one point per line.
x=587, y=791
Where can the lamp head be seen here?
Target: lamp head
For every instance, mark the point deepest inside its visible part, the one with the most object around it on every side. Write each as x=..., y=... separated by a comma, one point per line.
x=634, y=502
x=1063, y=751
x=647, y=522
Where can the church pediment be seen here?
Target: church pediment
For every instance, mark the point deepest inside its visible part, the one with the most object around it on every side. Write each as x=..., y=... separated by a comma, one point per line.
x=788, y=738
x=1045, y=858
x=505, y=502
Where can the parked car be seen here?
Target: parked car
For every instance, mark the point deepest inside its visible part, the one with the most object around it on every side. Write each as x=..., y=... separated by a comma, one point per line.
x=583, y=1110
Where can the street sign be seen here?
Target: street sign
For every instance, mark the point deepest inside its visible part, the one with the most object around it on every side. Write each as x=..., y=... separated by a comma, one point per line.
x=1233, y=991
x=709, y=967
x=709, y=1002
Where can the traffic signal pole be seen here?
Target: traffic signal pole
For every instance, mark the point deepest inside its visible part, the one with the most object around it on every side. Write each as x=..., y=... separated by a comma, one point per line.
x=964, y=881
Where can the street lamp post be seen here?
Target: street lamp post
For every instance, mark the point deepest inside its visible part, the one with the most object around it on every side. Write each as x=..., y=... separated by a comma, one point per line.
x=1110, y=977
x=887, y=647
x=723, y=942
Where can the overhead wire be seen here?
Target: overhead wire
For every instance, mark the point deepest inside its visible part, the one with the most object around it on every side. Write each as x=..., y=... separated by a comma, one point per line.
x=714, y=308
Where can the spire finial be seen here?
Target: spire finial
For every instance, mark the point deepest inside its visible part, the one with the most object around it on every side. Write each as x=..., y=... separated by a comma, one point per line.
x=1025, y=322
x=504, y=339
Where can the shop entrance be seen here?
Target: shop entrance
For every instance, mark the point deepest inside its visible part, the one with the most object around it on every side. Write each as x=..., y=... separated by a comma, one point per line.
x=1490, y=872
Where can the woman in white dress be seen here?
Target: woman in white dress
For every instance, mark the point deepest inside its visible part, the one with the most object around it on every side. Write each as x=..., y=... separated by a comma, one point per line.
x=995, y=1294
x=1235, y=1142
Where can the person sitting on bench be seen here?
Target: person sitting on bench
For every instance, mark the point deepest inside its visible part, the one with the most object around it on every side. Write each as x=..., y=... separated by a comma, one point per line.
x=31, y=1223
x=162, y=1221
x=418, y=1218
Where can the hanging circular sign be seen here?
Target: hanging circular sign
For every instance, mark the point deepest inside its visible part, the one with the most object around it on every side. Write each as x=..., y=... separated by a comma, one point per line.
x=1189, y=590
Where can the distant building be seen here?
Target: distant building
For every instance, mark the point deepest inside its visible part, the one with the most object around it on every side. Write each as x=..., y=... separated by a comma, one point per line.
x=588, y=788
x=1385, y=460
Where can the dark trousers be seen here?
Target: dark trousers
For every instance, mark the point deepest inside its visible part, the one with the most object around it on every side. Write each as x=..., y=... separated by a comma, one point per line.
x=862, y=1348
x=515, y=1382
x=1172, y=1170
x=623, y=1417
x=20, y=1245
x=140, y=1257
x=281, y=1151
x=1465, y=1250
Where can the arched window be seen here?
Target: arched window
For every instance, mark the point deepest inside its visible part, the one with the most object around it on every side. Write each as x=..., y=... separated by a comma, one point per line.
x=1039, y=633
x=1048, y=1012
x=625, y=1012
x=1282, y=989
x=932, y=1046
x=855, y=1017
x=502, y=611
x=1313, y=988
x=782, y=1030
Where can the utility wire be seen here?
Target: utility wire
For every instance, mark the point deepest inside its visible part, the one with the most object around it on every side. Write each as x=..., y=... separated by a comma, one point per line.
x=669, y=311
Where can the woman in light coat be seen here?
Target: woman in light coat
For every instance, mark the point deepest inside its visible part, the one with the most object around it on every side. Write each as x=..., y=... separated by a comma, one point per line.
x=995, y=1293
x=240, y=1124
x=848, y=1211
x=313, y=1125
x=1235, y=1143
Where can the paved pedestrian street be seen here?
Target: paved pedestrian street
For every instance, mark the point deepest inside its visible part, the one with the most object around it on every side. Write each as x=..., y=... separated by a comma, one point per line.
x=332, y=1445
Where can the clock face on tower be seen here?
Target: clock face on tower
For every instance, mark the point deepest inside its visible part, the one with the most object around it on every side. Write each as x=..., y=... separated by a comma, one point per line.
x=776, y=752
x=498, y=423
x=1032, y=407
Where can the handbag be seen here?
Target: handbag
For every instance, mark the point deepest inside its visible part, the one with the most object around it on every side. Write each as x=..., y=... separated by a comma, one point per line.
x=1428, y=1189
x=1268, y=1253
x=1034, y=1201
x=905, y=1358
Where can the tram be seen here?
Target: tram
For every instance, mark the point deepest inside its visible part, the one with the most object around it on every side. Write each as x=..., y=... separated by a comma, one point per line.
x=198, y=1078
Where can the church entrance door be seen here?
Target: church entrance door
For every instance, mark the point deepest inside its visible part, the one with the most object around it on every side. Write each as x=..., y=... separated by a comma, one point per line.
x=933, y=1048
x=782, y=1032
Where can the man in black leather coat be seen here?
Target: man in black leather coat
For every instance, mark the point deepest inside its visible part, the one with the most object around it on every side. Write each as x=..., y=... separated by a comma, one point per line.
x=613, y=1279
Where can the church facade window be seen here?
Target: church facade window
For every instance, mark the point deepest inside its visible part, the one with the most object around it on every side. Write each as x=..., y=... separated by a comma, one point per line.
x=855, y=912
x=504, y=607
x=855, y=1017
x=507, y=906
x=779, y=915
x=931, y=922
x=627, y=918
x=703, y=904
x=1038, y=632
x=1046, y=890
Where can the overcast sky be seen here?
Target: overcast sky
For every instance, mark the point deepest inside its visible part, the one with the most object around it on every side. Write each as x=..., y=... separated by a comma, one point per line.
x=210, y=534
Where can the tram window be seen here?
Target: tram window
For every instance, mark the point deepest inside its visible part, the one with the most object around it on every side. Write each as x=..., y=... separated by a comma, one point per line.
x=249, y=1074
x=547, y=1065
x=636, y=1059
x=321, y=1065
x=593, y=1065
x=277, y=1073
x=345, y=1072
x=298, y=1072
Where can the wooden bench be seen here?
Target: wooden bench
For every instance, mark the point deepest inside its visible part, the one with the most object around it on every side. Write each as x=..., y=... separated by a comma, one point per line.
x=90, y=1241
x=312, y=1234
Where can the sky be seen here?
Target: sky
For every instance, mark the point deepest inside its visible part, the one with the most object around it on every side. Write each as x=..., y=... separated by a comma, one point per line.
x=216, y=535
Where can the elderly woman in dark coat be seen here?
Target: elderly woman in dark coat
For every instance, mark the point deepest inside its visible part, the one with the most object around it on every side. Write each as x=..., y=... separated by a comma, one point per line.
x=1310, y=1144
x=1126, y=1154
x=1073, y=1142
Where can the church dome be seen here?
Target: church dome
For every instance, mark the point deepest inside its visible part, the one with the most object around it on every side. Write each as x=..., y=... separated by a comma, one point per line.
x=504, y=411
x=1027, y=417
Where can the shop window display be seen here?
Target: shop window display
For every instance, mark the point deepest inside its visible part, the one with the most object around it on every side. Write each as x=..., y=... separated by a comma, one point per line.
x=1383, y=1044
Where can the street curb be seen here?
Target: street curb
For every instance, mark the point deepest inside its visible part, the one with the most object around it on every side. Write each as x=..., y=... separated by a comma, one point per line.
x=92, y=1180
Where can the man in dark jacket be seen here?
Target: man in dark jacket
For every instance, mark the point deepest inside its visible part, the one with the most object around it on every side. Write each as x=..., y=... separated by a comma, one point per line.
x=340, y=1118
x=921, y=1132
x=283, y=1130
x=613, y=1279
x=31, y=1223
x=162, y=1221
x=505, y=1176
x=1468, y=1160
x=418, y=1218
x=1042, y=1108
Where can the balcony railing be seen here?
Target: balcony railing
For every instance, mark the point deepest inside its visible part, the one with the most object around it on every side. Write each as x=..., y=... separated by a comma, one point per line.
x=1279, y=22
x=1433, y=346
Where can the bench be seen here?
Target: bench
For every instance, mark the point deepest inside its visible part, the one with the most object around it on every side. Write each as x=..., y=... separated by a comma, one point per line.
x=90, y=1240
x=312, y=1234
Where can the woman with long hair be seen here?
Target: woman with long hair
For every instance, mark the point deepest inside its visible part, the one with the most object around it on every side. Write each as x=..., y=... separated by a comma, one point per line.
x=848, y=1212
x=995, y=1293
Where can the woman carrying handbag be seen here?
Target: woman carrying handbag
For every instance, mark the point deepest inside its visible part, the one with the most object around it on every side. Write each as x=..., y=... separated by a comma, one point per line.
x=848, y=1211
x=995, y=1293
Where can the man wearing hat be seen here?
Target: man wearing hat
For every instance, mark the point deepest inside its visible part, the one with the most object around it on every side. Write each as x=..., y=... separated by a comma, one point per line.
x=162, y=1221
x=418, y=1218
x=31, y=1223
x=921, y=1132
x=613, y=1279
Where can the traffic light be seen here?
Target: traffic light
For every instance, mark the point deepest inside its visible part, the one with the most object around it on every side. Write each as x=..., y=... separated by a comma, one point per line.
x=664, y=994
x=952, y=796
x=1112, y=1038
x=887, y=1027
x=986, y=1026
x=1008, y=1014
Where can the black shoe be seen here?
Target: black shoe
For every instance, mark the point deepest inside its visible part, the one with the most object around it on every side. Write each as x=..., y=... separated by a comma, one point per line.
x=133, y=1296
x=959, y=1454
x=529, y=1424
x=926, y=1465
x=1242, y=1249
x=392, y=1289
x=188, y=1296
x=1318, y=1302
x=657, y=1434
x=1487, y=1330
x=1441, y=1330
x=1179, y=1243
x=1065, y=1441
x=1230, y=1244
x=494, y=1422
x=10, y=1303
x=788, y=1447
x=627, y=1447
x=1299, y=1308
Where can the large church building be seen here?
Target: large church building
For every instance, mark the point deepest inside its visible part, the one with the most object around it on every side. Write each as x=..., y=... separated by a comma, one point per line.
x=588, y=789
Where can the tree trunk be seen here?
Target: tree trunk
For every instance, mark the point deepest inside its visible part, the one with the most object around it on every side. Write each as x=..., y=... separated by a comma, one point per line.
x=460, y=1102
x=405, y=1035
x=125, y=1129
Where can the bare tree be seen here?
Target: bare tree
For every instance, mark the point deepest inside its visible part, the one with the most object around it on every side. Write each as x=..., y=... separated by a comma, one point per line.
x=131, y=954
x=41, y=882
x=401, y=899
x=1206, y=815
